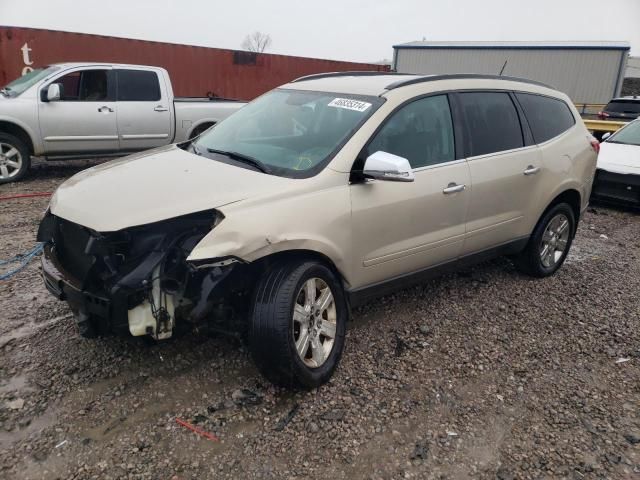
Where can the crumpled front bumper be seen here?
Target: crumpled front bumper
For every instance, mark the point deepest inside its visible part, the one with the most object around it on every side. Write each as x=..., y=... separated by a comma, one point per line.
x=137, y=280
x=66, y=288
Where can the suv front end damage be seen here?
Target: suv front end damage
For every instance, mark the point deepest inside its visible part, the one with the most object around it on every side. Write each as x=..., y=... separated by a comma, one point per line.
x=136, y=279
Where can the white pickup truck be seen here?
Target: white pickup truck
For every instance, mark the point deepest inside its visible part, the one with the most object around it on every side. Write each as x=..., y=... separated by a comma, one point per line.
x=80, y=110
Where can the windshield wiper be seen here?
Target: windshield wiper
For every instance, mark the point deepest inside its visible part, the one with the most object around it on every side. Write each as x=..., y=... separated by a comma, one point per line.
x=254, y=162
x=5, y=91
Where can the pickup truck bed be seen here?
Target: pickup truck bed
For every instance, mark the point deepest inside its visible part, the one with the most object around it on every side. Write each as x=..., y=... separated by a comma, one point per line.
x=205, y=99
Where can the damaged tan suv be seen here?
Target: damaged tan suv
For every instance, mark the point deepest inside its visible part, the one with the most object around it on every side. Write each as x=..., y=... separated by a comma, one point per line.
x=311, y=199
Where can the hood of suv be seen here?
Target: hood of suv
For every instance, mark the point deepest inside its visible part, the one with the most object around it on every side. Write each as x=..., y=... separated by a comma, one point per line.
x=156, y=185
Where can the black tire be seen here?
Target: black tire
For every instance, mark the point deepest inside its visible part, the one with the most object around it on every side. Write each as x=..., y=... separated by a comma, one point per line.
x=24, y=158
x=529, y=261
x=271, y=329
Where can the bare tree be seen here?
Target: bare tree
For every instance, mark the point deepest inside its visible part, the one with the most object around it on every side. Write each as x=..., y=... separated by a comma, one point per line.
x=257, y=42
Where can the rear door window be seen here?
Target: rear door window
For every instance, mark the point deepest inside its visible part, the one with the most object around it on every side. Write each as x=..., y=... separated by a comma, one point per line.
x=138, y=86
x=548, y=117
x=491, y=121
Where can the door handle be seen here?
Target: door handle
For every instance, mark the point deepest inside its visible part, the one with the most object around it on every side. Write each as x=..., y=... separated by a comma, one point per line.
x=105, y=109
x=531, y=170
x=160, y=108
x=453, y=188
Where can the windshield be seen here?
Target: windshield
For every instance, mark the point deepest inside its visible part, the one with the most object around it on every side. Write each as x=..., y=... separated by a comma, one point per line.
x=292, y=133
x=629, y=135
x=624, y=106
x=24, y=82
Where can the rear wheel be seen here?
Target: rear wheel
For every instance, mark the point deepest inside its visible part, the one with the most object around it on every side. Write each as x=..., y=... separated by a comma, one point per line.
x=14, y=158
x=550, y=242
x=298, y=324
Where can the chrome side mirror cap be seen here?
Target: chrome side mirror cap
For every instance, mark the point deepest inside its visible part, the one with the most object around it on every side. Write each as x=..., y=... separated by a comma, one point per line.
x=605, y=136
x=54, y=92
x=386, y=166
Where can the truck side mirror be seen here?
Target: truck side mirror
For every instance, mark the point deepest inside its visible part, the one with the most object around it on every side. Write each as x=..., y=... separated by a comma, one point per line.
x=54, y=92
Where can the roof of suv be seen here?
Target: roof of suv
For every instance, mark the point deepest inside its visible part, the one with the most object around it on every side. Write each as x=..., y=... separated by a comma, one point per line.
x=355, y=83
x=377, y=83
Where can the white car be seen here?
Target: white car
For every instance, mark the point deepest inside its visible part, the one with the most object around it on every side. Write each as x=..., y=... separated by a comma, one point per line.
x=618, y=172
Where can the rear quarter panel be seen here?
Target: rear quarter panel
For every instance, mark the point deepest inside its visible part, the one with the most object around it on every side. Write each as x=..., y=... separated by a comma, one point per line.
x=583, y=157
x=569, y=163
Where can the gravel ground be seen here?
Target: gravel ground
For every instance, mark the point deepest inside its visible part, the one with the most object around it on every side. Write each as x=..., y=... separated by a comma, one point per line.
x=480, y=374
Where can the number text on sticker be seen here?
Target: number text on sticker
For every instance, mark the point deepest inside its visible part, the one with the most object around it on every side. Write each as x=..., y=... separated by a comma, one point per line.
x=349, y=104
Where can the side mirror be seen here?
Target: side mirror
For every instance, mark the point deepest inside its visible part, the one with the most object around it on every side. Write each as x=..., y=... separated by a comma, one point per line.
x=386, y=166
x=605, y=136
x=54, y=92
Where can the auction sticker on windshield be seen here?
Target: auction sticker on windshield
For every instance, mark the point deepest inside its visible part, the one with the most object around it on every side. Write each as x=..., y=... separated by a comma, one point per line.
x=349, y=104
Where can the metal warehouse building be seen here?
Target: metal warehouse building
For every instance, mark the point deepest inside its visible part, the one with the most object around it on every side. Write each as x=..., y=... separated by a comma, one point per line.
x=589, y=72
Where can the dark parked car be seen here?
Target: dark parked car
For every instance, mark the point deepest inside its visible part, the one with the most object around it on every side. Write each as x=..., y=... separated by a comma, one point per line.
x=621, y=109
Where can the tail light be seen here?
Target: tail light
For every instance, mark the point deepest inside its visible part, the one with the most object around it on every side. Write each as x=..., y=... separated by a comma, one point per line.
x=595, y=144
x=603, y=115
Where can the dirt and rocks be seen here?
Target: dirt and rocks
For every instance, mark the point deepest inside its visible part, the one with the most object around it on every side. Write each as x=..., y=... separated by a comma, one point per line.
x=480, y=374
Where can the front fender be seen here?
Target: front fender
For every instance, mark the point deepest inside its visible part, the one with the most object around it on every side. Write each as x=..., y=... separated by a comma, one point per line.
x=319, y=221
x=35, y=139
x=259, y=246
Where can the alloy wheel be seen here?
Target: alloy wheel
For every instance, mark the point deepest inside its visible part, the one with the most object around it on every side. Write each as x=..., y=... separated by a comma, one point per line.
x=314, y=322
x=554, y=240
x=10, y=161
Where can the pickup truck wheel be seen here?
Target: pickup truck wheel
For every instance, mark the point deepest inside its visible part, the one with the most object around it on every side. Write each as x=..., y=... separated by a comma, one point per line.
x=549, y=244
x=297, y=325
x=14, y=158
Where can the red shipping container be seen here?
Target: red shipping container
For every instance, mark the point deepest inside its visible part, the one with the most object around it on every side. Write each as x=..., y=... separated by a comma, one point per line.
x=194, y=71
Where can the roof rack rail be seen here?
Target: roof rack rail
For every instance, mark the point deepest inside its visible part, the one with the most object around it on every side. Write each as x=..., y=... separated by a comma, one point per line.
x=355, y=73
x=454, y=76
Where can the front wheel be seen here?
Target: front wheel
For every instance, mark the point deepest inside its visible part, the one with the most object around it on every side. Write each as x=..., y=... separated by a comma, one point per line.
x=14, y=158
x=298, y=324
x=550, y=242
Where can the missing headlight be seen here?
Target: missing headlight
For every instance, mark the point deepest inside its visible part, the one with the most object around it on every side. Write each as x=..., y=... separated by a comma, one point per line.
x=141, y=270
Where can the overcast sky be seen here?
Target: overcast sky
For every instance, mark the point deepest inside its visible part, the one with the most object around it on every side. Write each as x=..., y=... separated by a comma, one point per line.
x=359, y=30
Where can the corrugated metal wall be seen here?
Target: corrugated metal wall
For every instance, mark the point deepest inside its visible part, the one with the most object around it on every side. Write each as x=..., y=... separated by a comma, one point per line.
x=633, y=68
x=587, y=76
x=194, y=70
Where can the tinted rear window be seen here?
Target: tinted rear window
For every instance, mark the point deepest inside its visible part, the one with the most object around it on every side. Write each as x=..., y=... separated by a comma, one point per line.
x=138, y=85
x=492, y=122
x=630, y=106
x=548, y=117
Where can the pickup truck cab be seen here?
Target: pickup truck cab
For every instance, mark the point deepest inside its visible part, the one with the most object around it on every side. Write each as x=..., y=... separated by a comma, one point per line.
x=77, y=110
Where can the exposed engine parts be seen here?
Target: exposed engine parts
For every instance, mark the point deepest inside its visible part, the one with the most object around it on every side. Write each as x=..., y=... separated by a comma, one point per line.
x=136, y=279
